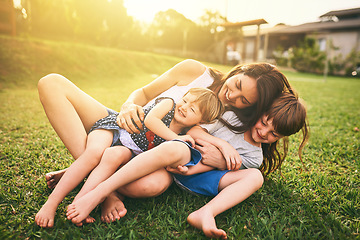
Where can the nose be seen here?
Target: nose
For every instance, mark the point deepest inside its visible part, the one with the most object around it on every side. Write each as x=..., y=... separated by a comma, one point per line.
x=263, y=133
x=183, y=108
x=233, y=95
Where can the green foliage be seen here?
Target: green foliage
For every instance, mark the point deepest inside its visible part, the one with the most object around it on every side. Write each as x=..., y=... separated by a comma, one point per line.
x=321, y=203
x=106, y=23
x=307, y=57
x=345, y=66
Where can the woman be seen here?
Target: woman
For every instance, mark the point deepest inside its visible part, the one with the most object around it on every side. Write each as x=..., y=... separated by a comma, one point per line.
x=248, y=90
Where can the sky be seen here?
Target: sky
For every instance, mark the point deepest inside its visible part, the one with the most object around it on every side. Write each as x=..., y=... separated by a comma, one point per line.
x=291, y=12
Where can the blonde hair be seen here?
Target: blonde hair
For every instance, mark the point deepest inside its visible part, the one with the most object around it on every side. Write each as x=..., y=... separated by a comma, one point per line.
x=210, y=105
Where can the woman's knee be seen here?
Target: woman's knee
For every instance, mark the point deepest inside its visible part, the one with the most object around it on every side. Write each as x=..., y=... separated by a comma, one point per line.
x=50, y=85
x=148, y=186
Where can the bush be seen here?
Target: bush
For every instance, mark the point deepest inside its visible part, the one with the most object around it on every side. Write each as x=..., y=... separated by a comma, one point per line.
x=308, y=57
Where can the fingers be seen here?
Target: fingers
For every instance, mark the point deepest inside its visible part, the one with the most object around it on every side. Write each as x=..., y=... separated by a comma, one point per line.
x=201, y=142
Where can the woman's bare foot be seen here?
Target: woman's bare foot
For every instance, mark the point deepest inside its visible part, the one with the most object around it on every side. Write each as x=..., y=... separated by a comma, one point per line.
x=204, y=220
x=45, y=216
x=52, y=178
x=78, y=211
x=113, y=208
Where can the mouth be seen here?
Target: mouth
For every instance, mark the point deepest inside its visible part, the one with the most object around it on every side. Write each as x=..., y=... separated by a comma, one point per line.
x=227, y=95
x=181, y=113
x=257, y=132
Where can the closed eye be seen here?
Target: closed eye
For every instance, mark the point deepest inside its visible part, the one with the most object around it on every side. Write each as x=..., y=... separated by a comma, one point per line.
x=274, y=134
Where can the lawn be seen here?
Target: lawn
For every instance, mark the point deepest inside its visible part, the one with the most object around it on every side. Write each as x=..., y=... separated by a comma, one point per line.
x=320, y=203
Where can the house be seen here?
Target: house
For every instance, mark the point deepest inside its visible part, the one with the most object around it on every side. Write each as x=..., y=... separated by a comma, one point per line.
x=337, y=32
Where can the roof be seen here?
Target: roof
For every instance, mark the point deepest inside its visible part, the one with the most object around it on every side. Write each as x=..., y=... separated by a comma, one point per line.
x=318, y=27
x=341, y=13
x=245, y=23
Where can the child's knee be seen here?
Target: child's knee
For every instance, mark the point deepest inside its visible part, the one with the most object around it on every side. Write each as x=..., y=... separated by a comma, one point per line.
x=174, y=152
x=115, y=156
x=256, y=176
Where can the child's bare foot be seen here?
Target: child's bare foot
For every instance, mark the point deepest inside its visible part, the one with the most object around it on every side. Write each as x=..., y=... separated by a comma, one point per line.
x=52, y=178
x=112, y=208
x=45, y=216
x=88, y=219
x=205, y=221
x=80, y=210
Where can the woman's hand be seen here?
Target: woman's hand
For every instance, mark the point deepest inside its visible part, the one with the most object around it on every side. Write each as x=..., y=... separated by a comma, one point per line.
x=211, y=155
x=129, y=114
x=232, y=157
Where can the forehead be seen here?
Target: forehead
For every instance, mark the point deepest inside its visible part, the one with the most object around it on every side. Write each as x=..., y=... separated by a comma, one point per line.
x=269, y=122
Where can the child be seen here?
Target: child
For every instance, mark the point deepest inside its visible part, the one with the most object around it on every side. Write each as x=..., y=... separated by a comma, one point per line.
x=258, y=147
x=149, y=161
x=164, y=121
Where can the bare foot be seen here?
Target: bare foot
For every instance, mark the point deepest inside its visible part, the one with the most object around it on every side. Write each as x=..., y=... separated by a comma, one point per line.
x=78, y=211
x=205, y=221
x=52, y=178
x=45, y=217
x=88, y=219
x=113, y=208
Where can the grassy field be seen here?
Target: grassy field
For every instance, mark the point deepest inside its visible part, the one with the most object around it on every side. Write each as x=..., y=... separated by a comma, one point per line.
x=321, y=203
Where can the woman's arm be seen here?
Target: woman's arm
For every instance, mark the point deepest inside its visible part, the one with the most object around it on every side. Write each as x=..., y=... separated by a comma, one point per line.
x=182, y=73
x=232, y=157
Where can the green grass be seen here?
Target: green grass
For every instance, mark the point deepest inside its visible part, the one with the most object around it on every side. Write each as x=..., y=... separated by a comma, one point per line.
x=321, y=203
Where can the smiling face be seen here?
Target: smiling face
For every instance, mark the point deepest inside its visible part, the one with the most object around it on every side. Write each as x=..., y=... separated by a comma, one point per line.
x=187, y=111
x=239, y=91
x=264, y=131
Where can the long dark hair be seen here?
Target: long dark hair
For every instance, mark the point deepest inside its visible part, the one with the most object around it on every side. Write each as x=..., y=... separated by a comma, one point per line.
x=288, y=116
x=270, y=84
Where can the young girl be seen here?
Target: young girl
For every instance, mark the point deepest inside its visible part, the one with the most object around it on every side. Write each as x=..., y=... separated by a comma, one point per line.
x=164, y=121
x=257, y=146
x=287, y=116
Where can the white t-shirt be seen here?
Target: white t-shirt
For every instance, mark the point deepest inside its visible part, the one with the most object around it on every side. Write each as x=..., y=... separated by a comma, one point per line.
x=251, y=155
x=177, y=92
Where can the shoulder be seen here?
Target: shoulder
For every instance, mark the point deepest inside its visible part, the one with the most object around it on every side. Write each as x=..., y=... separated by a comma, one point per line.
x=188, y=69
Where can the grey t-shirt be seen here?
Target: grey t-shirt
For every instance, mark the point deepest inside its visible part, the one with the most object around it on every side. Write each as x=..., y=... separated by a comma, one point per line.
x=251, y=155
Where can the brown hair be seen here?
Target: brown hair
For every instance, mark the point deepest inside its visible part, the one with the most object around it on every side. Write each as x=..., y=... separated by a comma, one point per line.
x=270, y=84
x=210, y=105
x=288, y=115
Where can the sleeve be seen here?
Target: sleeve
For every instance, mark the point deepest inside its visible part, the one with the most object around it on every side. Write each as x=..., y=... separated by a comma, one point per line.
x=252, y=159
x=213, y=127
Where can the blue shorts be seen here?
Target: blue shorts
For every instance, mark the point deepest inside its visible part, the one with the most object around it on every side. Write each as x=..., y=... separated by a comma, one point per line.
x=195, y=154
x=206, y=183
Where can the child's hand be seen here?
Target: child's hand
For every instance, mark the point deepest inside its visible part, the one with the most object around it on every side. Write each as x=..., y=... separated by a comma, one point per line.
x=232, y=157
x=187, y=138
x=182, y=170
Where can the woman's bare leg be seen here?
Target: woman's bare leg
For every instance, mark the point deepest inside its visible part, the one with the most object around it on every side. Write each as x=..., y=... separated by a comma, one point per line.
x=71, y=113
x=141, y=165
x=151, y=185
x=234, y=187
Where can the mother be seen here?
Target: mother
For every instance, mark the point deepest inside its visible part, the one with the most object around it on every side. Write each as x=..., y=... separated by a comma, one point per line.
x=248, y=90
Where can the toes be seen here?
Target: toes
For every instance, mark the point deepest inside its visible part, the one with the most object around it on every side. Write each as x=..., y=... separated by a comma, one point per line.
x=89, y=219
x=48, y=176
x=115, y=215
x=76, y=220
